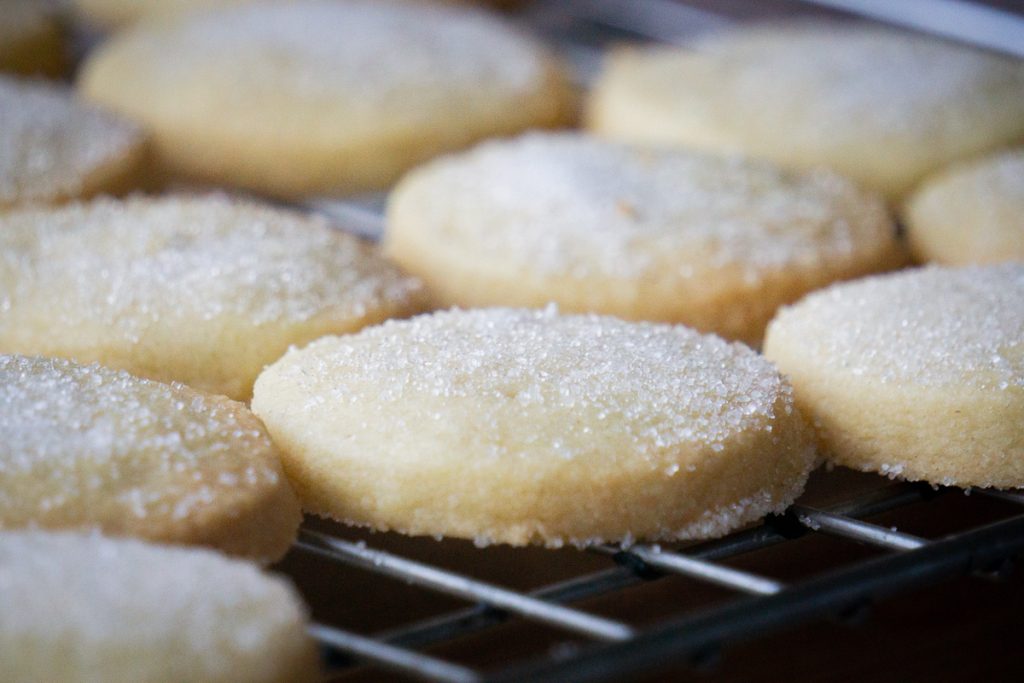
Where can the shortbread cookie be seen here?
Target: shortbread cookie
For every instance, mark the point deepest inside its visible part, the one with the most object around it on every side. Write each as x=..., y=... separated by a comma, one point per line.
x=918, y=375
x=201, y=290
x=30, y=38
x=971, y=213
x=85, y=609
x=314, y=97
x=87, y=447
x=717, y=243
x=883, y=107
x=53, y=148
x=519, y=427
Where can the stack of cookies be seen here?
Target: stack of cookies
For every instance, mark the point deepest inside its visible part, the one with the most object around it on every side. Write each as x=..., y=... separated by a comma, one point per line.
x=559, y=340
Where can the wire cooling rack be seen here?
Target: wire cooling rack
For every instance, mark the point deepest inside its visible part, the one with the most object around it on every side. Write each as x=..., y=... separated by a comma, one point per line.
x=580, y=644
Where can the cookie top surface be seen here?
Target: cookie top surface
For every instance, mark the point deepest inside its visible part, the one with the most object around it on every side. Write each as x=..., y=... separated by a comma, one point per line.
x=970, y=213
x=322, y=60
x=130, y=263
x=571, y=205
x=50, y=145
x=883, y=80
x=134, y=611
x=932, y=327
x=882, y=106
x=659, y=385
x=83, y=446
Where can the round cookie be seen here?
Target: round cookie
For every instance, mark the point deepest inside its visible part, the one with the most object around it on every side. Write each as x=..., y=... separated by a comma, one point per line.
x=80, y=609
x=715, y=242
x=306, y=98
x=918, y=374
x=31, y=42
x=971, y=213
x=53, y=148
x=519, y=427
x=202, y=290
x=882, y=107
x=87, y=447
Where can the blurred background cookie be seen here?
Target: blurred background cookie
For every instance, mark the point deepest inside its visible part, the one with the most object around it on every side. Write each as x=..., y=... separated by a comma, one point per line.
x=53, y=148
x=307, y=98
x=883, y=107
x=971, y=213
x=202, y=290
x=715, y=242
x=88, y=608
x=87, y=447
x=515, y=426
x=917, y=374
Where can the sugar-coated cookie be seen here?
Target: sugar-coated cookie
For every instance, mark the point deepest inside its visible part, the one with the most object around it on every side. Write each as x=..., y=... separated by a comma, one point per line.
x=715, y=242
x=31, y=42
x=86, y=609
x=202, y=290
x=881, y=106
x=519, y=426
x=87, y=447
x=53, y=148
x=971, y=213
x=918, y=374
x=310, y=97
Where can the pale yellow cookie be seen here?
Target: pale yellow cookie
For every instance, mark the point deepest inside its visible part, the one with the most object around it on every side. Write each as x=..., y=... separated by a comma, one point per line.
x=517, y=426
x=87, y=447
x=918, y=375
x=303, y=98
x=971, y=213
x=715, y=242
x=881, y=106
x=31, y=41
x=202, y=290
x=89, y=609
x=53, y=148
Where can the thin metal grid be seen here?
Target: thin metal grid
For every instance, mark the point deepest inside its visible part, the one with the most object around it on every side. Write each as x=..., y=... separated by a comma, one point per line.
x=910, y=562
x=618, y=649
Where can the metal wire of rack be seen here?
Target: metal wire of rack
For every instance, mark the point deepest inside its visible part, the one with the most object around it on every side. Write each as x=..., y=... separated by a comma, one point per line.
x=612, y=648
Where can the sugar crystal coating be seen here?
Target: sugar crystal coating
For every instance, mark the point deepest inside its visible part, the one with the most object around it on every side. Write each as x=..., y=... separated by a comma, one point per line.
x=185, y=288
x=580, y=207
x=50, y=145
x=317, y=50
x=88, y=608
x=938, y=327
x=917, y=375
x=519, y=426
x=313, y=98
x=87, y=447
x=884, y=107
x=669, y=385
